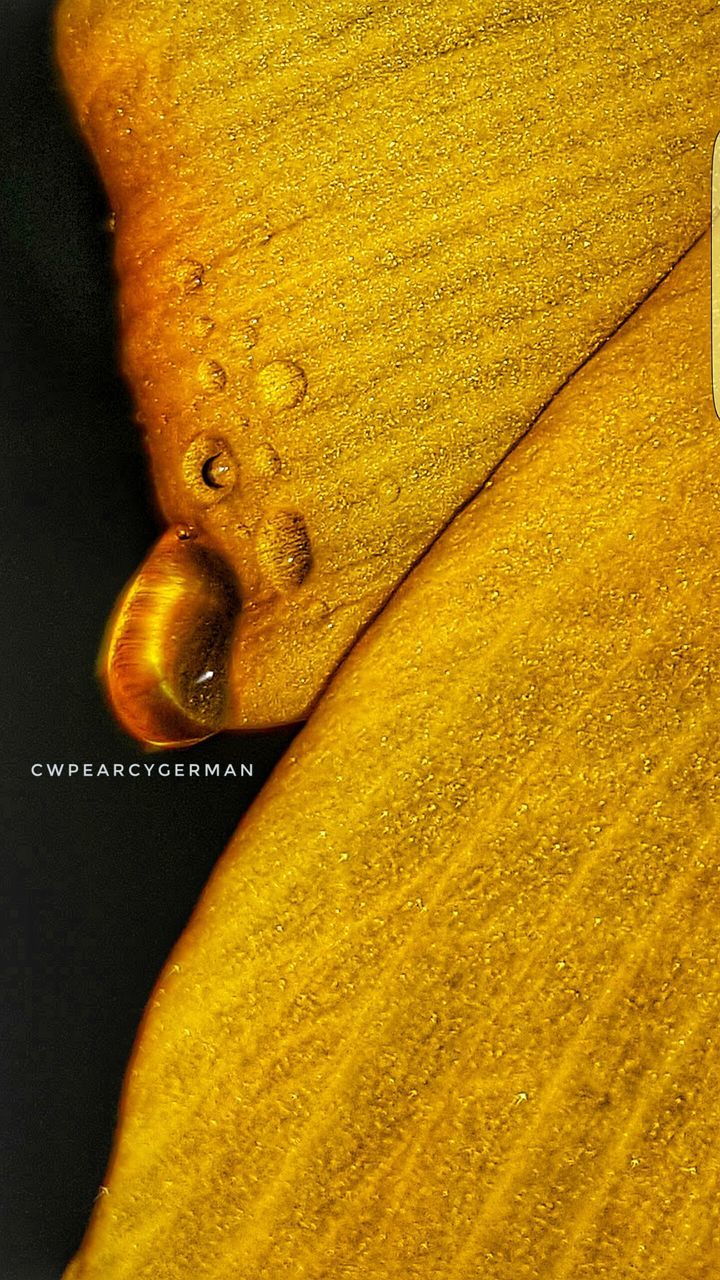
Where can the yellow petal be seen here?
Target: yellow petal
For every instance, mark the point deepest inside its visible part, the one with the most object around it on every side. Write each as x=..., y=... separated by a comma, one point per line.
x=360, y=249
x=449, y=1005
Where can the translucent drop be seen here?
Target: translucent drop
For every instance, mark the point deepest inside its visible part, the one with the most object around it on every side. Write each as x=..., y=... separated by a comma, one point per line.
x=283, y=549
x=281, y=385
x=203, y=325
x=218, y=471
x=212, y=375
x=191, y=275
x=252, y=333
x=209, y=468
x=267, y=461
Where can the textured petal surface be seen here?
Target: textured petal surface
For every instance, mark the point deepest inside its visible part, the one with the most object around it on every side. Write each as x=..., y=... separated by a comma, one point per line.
x=359, y=248
x=448, y=1007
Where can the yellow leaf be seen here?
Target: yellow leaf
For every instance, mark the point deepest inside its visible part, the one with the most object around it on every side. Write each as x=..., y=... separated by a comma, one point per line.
x=359, y=249
x=449, y=1005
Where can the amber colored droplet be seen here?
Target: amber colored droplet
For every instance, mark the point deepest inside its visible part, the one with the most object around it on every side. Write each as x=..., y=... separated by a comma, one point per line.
x=192, y=276
x=218, y=471
x=267, y=461
x=252, y=332
x=390, y=490
x=164, y=660
x=203, y=325
x=281, y=384
x=212, y=376
x=283, y=549
x=209, y=469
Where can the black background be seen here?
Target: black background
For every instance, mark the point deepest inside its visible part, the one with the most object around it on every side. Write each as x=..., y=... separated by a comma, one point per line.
x=99, y=876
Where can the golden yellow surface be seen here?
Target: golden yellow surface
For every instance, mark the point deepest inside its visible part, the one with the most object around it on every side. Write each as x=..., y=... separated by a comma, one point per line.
x=449, y=1006
x=359, y=248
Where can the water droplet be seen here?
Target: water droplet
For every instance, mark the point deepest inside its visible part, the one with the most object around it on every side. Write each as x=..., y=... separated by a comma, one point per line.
x=167, y=653
x=283, y=549
x=203, y=325
x=252, y=333
x=218, y=471
x=191, y=275
x=267, y=461
x=212, y=376
x=209, y=469
x=281, y=385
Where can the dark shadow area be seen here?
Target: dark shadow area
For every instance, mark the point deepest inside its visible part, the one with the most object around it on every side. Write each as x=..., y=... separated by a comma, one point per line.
x=99, y=876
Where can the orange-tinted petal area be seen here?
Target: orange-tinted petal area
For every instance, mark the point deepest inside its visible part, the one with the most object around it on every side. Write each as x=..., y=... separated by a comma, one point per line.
x=448, y=1008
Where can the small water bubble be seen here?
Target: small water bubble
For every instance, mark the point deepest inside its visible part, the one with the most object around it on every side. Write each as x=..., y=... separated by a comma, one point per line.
x=209, y=469
x=203, y=325
x=191, y=275
x=283, y=549
x=267, y=461
x=252, y=332
x=390, y=490
x=281, y=384
x=212, y=376
x=218, y=471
